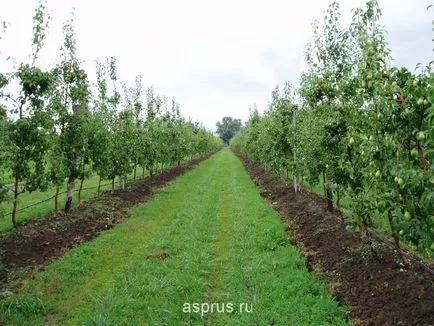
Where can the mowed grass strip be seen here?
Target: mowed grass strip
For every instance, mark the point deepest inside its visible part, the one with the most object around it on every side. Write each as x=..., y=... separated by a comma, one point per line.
x=208, y=238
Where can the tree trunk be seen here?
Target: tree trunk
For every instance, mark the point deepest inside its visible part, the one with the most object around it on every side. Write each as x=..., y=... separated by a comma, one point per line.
x=113, y=185
x=56, y=199
x=363, y=230
x=324, y=184
x=395, y=237
x=422, y=160
x=15, y=204
x=122, y=182
x=329, y=194
x=143, y=171
x=338, y=198
x=79, y=191
x=69, y=192
x=151, y=172
x=99, y=185
x=294, y=154
x=179, y=162
x=329, y=199
x=135, y=172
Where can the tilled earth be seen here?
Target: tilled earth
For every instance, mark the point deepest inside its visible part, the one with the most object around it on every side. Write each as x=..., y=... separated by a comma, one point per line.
x=378, y=289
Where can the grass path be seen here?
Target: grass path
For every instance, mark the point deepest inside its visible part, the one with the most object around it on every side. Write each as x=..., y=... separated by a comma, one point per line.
x=207, y=238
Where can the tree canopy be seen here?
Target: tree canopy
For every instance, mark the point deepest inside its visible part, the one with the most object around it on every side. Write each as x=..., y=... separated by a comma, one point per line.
x=227, y=128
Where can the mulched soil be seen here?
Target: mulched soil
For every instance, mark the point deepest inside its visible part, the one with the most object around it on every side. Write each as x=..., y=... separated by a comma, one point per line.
x=38, y=242
x=378, y=289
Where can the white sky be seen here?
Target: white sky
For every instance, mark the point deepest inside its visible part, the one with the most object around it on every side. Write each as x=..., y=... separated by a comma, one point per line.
x=217, y=58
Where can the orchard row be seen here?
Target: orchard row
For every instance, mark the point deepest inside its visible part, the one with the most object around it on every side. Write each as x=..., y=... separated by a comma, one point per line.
x=56, y=126
x=361, y=126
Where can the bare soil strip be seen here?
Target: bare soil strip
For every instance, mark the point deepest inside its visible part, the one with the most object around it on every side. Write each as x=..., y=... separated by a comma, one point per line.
x=39, y=241
x=379, y=290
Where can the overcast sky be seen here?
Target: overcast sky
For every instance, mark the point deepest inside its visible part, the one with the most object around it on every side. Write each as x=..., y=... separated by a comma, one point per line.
x=217, y=58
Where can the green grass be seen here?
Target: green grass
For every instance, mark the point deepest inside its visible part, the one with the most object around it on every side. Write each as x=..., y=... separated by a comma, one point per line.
x=223, y=244
x=46, y=208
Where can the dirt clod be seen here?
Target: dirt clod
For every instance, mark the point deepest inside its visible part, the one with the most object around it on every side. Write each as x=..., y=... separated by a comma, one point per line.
x=158, y=256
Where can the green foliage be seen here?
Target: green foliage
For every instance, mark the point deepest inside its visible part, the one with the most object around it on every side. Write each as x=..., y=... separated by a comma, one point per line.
x=71, y=114
x=364, y=127
x=25, y=141
x=227, y=128
x=53, y=130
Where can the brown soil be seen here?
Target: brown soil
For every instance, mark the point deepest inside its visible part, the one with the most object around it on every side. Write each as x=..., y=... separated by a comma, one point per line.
x=39, y=241
x=368, y=278
x=158, y=256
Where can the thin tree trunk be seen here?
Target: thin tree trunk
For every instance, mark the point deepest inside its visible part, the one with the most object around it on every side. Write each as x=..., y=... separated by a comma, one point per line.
x=422, y=160
x=15, y=204
x=79, y=191
x=122, y=182
x=99, y=184
x=113, y=185
x=17, y=179
x=324, y=184
x=329, y=195
x=364, y=230
x=151, y=172
x=338, y=198
x=294, y=154
x=143, y=171
x=179, y=162
x=329, y=199
x=395, y=237
x=69, y=192
x=135, y=172
x=56, y=199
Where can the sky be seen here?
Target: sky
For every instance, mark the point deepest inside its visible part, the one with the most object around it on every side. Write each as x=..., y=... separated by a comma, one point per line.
x=218, y=58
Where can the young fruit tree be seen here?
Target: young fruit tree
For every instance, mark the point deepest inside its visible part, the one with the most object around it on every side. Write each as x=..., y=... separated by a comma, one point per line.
x=25, y=139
